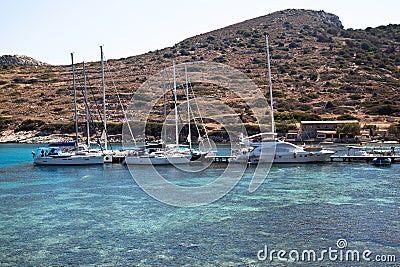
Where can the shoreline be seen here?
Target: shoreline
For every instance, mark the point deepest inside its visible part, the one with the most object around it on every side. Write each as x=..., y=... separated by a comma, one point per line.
x=31, y=137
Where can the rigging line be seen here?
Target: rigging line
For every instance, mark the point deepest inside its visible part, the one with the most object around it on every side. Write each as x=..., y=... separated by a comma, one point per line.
x=90, y=114
x=164, y=133
x=99, y=111
x=81, y=87
x=190, y=106
x=119, y=100
x=94, y=99
x=180, y=120
x=88, y=82
x=92, y=121
x=183, y=87
x=169, y=88
x=191, y=110
x=201, y=117
x=96, y=104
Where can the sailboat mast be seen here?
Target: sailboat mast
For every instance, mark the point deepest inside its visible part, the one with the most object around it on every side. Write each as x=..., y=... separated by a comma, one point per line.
x=75, y=111
x=87, y=106
x=188, y=110
x=104, y=98
x=176, y=110
x=270, y=86
x=164, y=134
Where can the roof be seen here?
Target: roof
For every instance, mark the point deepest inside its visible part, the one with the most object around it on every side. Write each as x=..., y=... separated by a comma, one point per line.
x=326, y=132
x=329, y=122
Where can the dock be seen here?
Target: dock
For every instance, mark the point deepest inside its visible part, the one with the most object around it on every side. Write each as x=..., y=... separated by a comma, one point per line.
x=349, y=158
x=221, y=159
x=333, y=158
x=344, y=158
x=118, y=159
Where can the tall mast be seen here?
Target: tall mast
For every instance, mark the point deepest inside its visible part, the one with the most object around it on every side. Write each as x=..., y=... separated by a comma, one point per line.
x=188, y=110
x=75, y=111
x=165, y=115
x=86, y=105
x=104, y=98
x=176, y=110
x=270, y=87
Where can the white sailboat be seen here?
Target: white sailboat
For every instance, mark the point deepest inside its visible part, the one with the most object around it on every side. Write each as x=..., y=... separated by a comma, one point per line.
x=110, y=155
x=272, y=149
x=172, y=154
x=69, y=153
x=197, y=155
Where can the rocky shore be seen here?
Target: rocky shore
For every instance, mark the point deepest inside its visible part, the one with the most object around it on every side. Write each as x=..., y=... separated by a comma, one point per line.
x=35, y=137
x=30, y=137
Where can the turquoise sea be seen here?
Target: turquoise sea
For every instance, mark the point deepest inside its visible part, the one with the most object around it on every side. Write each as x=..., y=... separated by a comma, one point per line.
x=97, y=215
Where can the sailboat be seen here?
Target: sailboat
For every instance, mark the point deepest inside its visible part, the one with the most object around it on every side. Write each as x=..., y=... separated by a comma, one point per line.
x=197, y=155
x=69, y=153
x=172, y=154
x=110, y=155
x=270, y=149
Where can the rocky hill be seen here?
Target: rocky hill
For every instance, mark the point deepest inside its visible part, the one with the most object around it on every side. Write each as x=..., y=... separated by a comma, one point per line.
x=319, y=70
x=19, y=60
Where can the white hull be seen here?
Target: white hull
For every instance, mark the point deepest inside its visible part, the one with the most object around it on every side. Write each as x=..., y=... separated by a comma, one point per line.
x=72, y=160
x=145, y=160
x=282, y=152
x=111, y=156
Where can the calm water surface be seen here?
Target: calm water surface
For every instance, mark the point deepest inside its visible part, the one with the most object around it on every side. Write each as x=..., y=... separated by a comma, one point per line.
x=95, y=215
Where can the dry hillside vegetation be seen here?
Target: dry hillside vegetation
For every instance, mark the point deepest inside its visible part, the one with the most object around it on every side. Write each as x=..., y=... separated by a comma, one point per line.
x=319, y=70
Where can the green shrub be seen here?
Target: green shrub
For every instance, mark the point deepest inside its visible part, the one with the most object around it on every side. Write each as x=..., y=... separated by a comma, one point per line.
x=220, y=59
x=183, y=52
x=383, y=110
x=210, y=38
x=296, y=115
x=346, y=117
x=355, y=97
x=257, y=60
x=4, y=122
x=168, y=55
x=348, y=128
x=283, y=128
x=20, y=80
x=29, y=125
x=46, y=76
x=324, y=39
x=394, y=129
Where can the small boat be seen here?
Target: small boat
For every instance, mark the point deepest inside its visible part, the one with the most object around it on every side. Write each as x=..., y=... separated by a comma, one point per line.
x=357, y=151
x=381, y=161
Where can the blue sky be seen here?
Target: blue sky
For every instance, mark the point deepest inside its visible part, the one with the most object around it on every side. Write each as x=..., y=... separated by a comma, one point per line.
x=49, y=30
